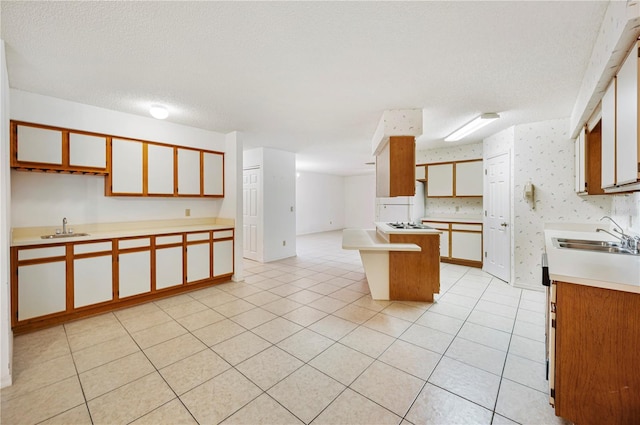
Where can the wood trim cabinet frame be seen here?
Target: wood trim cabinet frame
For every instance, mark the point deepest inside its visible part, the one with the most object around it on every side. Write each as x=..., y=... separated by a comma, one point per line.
x=25, y=256
x=64, y=165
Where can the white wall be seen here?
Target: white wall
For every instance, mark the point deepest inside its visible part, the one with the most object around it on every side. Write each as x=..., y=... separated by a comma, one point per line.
x=277, y=222
x=320, y=202
x=360, y=201
x=544, y=155
x=41, y=199
x=6, y=335
x=232, y=205
x=279, y=200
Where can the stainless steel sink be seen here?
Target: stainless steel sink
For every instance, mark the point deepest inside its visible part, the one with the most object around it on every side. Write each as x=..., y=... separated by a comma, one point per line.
x=63, y=235
x=612, y=247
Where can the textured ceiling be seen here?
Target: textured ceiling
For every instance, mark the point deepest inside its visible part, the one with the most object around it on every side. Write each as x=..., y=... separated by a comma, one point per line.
x=308, y=77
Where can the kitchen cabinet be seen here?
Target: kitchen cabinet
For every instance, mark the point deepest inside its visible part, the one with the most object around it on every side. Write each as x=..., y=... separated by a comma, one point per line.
x=594, y=353
x=455, y=179
x=440, y=180
x=188, y=172
x=627, y=135
x=580, y=155
x=213, y=174
x=460, y=243
x=168, y=261
x=468, y=178
x=160, y=169
x=222, y=252
x=41, y=145
x=421, y=172
x=61, y=281
x=126, y=167
x=466, y=242
x=134, y=267
x=92, y=273
x=87, y=151
x=39, y=282
x=620, y=128
x=198, y=257
x=45, y=148
x=395, y=165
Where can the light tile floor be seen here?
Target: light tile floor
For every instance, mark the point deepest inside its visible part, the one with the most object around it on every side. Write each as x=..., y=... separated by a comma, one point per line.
x=299, y=341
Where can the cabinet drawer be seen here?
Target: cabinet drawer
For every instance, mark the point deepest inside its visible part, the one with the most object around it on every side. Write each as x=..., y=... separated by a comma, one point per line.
x=223, y=234
x=134, y=243
x=32, y=254
x=468, y=227
x=197, y=237
x=437, y=225
x=166, y=240
x=86, y=248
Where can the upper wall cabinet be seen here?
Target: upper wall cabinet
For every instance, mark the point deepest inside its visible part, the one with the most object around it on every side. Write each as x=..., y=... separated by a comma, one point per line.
x=44, y=148
x=153, y=169
x=395, y=166
x=620, y=129
x=455, y=179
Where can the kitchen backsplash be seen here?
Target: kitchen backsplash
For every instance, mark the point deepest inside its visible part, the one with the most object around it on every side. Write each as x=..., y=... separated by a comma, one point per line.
x=437, y=207
x=625, y=210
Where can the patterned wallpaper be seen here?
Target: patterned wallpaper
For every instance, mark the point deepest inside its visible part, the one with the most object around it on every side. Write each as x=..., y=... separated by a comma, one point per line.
x=625, y=210
x=543, y=154
x=451, y=206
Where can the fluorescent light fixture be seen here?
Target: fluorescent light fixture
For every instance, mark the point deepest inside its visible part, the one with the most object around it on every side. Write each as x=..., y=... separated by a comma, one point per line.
x=158, y=112
x=473, y=125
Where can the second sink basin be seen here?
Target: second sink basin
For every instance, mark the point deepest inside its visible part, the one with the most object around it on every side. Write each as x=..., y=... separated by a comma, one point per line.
x=63, y=235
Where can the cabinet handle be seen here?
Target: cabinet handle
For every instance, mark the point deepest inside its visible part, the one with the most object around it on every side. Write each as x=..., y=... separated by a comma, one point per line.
x=504, y=225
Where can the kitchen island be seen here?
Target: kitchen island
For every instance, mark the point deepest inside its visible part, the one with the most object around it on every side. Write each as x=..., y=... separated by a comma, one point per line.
x=401, y=262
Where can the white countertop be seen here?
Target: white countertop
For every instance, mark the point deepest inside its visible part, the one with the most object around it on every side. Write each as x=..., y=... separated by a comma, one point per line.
x=604, y=270
x=385, y=228
x=31, y=236
x=369, y=240
x=454, y=218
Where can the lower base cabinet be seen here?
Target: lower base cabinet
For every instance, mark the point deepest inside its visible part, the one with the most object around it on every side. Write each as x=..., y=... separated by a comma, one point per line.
x=597, y=354
x=68, y=280
x=460, y=243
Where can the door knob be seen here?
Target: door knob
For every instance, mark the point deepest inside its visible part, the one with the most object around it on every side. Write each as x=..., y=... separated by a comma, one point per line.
x=504, y=225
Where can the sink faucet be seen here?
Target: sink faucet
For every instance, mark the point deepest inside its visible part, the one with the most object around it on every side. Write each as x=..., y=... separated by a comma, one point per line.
x=631, y=243
x=64, y=226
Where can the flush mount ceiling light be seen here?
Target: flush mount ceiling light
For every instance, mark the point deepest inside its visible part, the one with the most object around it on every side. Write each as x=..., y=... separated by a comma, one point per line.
x=158, y=112
x=473, y=125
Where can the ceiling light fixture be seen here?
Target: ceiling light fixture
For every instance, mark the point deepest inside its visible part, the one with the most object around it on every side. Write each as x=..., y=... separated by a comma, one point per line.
x=473, y=125
x=158, y=112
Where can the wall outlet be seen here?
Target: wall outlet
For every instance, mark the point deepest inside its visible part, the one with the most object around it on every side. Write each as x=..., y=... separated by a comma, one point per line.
x=187, y=212
x=284, y=243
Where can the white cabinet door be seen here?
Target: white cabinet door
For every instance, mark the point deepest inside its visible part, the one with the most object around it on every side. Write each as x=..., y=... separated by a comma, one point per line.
x=92, y=280
x=440, y=180
x=160, y=169
x=134, y=273
x=421, y=172
x=608, y=148
x=168, y=267
x=469, y=178
x=39, y=145
x=466, y=245
x=222, y=257
x=198, y=260
x=444, y=244
x=188, y=172
x=213, y=164
x=126, y=166
x=87, y=151
x=41, y=289
x=580, y=165
x=627, y=120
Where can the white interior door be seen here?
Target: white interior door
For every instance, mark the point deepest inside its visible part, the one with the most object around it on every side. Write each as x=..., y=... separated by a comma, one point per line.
x=251, y=213
x=497, y=220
